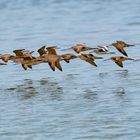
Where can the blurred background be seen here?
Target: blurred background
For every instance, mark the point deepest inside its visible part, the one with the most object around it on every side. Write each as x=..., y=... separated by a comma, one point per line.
x=82, y=102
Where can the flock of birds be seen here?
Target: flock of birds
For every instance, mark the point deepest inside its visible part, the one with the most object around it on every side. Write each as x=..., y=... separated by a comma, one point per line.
x=49, y=55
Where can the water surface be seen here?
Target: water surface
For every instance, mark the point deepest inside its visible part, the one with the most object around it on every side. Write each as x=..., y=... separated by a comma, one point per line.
x=82, y=102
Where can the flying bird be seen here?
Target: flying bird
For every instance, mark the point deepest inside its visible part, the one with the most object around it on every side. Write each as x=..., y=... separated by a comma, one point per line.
x=124, y=43
x=6, y=57
x=119, y=60
x=53, y=59
x=79, y=48
x=102, y=50
x=67, y=57
x=120, y=45
x=89, y=58
x=24, y=53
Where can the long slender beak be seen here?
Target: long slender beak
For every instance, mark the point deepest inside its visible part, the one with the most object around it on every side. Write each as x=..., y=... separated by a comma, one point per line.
x=92, y=48
x=66, y=49
x=131, y=44
x=130, y=59
x=107, y=59
x=97, y=57
x=56, y=47
x=111, y=52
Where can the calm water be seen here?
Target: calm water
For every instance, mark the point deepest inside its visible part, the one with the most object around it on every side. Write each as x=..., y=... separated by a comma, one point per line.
x=82, y=102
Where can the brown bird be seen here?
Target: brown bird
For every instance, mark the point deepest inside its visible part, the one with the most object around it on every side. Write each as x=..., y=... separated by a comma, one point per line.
x=79, y=48
x=19, y=52
x=119, y=59
x=23, y=53
x=67, y=57
x=17, y=59
x=6, y=57
x=120, y=45
x=20, y=59
x=89, y=58
x=46, y=55
x=53, y=59
x=124, y=43
x=28, y=63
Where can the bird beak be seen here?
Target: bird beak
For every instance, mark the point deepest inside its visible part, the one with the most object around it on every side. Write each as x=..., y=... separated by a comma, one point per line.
x=130, y=59
x=66, y=49
x=131, y=45
x=107, y=59
x=58, y=48
x=111, y=52
x=55, y=47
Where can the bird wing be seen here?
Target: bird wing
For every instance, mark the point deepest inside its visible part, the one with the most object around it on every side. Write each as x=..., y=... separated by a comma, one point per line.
x=42, y=51
x=58, y=65
x=122, y=51
x=19, y=52
x=51, y=51
x=52, y=65
x=90, y=61
x=119, y=63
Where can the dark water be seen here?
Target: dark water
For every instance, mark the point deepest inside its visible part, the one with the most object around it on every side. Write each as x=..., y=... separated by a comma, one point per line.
x=82, y=102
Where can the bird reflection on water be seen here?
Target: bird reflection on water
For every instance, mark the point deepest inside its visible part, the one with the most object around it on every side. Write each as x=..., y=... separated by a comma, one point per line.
x=120, y=91
x=52, y=89
x=31, y=88
x=90, y=95
x=122, y=73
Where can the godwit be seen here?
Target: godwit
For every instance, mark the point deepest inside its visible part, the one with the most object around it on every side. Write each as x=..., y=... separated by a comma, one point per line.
x=89, y=58
x=6, y=57
x=102, y=50
x=28, y=63
x=124, y=43
x=120, y=45
x=53, y=59
x=79, y=48
x=119, y=59
x=24, y=53
x=67, y=57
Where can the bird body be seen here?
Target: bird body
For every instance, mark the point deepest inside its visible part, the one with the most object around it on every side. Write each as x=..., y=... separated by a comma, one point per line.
x=6, y=57
x=53, y=59
x=23, y=53
x=68, y=57
x=102, y=50
x=120, y=45
x=124, y=43
x=88, y=58
x=119, y=59
x=80, y=48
